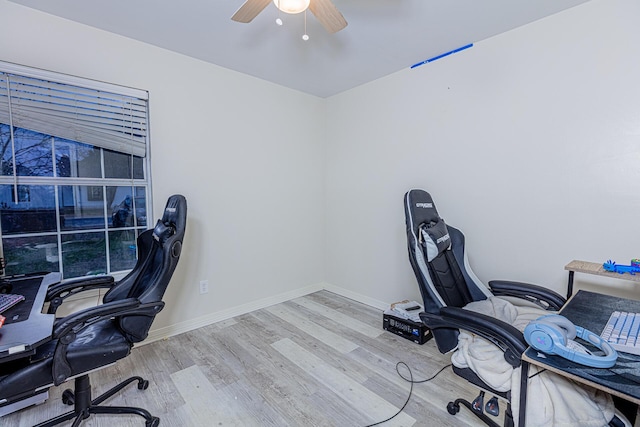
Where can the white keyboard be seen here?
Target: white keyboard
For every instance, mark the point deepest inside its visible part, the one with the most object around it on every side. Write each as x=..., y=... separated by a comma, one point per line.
x=622, y=332
x=9, y=300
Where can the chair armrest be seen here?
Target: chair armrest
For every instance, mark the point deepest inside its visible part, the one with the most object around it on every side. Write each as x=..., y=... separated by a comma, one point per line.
x=505, y=336
x=541, y=296
x=56, y=294
x=75, y=322
x=66, y=330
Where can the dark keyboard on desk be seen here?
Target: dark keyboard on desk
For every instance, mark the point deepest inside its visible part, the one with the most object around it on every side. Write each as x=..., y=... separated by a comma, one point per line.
x=9, y=300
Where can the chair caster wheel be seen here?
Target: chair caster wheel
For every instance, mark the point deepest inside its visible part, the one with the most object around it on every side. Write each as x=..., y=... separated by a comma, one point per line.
x=68, y=398
x=492, y=407
x=153, y=422
x=143, y=385
x=453, y=408
x=478, y=403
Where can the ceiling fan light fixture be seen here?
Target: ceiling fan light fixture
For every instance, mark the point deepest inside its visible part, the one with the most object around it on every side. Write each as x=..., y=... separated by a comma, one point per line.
x=292, y=6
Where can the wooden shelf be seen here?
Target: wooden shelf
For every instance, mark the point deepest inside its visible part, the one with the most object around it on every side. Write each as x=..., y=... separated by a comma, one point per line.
x=595, y=269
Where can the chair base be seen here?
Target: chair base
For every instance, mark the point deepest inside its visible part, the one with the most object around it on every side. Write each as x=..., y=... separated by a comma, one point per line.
x=84, y=406
x=454, y=407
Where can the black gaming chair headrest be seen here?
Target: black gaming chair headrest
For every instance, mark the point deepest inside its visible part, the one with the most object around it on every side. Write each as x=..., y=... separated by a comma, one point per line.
x=174, y=211
x=173, y=219
x=427, y=225
x=423, y=209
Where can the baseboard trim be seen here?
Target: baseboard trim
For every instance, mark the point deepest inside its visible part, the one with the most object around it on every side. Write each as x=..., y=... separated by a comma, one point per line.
x=199, y=322
x=381, y=305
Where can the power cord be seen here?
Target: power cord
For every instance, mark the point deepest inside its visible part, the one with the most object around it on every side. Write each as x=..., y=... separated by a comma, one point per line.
x=412, y=382
x=537, y=373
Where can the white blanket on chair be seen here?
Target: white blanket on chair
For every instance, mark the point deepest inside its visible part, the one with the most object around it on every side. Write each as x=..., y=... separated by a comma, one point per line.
x=552, y=400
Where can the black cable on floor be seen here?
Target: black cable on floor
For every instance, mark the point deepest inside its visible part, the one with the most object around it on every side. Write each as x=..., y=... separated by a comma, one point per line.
x=412, y=382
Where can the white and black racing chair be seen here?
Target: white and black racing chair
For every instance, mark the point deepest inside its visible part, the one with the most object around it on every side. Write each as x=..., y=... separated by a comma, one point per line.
x=447, y=284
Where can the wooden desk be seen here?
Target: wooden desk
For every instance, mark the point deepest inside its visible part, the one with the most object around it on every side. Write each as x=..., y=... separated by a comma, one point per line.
x=19, y=338
x=595, y=269
x=591, y=311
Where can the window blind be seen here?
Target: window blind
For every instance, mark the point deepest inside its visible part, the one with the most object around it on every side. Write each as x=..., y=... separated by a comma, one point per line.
x=95, y=113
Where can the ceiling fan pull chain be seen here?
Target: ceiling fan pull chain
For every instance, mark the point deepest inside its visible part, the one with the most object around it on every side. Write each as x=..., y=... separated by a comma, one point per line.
x=305, y=36
x=278, y=20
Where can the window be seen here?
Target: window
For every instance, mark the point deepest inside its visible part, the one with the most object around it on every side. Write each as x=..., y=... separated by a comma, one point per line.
x=74, y=175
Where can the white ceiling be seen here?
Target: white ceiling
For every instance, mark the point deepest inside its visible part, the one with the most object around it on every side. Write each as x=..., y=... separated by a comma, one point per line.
x=383, y=36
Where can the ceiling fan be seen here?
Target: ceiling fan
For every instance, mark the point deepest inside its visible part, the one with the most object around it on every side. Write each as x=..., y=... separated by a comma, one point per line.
x=324, y=10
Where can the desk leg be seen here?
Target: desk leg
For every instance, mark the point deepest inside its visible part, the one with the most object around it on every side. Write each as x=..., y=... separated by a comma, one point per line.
x=524, y=379
x=570, y=285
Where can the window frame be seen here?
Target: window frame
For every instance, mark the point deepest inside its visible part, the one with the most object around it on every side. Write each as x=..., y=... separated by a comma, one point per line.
x=57, y=182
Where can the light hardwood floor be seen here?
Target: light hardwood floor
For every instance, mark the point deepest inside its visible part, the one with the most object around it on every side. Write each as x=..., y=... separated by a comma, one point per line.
x=318, y=360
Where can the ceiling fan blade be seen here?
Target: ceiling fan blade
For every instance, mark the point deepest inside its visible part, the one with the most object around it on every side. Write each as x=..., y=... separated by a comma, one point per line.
x=249, y=10
x=328, y=15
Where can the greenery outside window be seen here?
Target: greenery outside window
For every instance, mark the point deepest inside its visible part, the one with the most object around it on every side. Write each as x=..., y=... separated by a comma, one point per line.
x=74, y=175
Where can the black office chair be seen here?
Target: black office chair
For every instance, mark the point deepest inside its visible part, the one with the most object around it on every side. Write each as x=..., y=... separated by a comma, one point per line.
x=99, y=336
x=437, y=255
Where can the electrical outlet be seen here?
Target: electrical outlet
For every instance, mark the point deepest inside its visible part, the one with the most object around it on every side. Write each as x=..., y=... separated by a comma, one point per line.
x=204, y=286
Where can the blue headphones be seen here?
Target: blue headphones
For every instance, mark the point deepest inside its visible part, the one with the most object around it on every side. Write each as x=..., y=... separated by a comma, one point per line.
x=550, y=334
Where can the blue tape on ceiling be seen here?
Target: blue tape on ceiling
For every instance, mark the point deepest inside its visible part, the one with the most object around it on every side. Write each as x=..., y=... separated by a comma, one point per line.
x=442, y=55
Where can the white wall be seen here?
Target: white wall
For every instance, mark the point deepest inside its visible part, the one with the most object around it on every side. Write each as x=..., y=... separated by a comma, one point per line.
x=251, y=181
x=529, y=142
